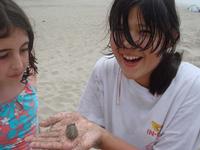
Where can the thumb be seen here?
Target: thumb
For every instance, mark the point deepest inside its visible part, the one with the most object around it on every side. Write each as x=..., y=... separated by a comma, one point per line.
x=53, y=119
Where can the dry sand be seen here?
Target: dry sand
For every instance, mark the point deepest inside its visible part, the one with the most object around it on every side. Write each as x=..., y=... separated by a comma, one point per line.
x=69, y=40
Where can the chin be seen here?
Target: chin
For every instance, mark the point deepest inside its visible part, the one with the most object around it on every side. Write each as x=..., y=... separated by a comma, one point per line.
x=130, y=76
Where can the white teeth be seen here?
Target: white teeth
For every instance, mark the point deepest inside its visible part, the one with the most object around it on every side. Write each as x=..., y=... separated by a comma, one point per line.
x=131, y=57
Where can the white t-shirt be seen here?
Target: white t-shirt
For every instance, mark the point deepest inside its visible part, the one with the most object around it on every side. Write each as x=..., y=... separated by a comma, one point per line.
x=128, y=110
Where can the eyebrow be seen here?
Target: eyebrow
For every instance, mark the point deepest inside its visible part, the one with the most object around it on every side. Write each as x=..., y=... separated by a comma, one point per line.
x=25, y=43
x=4, y=50
x=9, y=49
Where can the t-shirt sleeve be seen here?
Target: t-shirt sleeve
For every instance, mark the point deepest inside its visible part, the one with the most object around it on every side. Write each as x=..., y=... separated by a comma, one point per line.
x=183, y=133
x=91, y=100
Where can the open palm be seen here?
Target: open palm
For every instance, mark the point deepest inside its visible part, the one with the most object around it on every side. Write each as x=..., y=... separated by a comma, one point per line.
x=55, y=137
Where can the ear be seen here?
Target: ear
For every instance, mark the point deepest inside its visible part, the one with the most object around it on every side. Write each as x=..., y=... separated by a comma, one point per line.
x=176, y=36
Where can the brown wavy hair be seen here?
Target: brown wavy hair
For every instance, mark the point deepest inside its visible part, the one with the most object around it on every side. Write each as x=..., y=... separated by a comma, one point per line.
x=11, y=16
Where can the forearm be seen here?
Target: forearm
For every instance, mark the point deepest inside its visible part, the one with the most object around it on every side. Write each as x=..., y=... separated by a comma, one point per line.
x=110, y=142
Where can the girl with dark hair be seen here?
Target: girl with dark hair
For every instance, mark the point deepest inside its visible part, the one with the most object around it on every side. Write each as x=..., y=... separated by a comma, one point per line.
x=141, y=96
x=18, y=99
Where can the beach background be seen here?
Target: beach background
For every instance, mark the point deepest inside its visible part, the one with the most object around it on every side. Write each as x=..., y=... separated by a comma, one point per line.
x=69, y=38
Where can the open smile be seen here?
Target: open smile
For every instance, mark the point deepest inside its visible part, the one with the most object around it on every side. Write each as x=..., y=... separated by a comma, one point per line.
x=131, y=60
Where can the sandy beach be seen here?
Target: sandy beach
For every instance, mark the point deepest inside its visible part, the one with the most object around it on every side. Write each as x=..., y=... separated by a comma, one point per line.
x=70, y=36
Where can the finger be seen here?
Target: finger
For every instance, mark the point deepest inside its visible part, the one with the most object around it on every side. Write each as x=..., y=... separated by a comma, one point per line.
x=47, y=134
x=45, y=139
x=52, y=145
x=39, y=149
x=67, y=117
x=41, y=145
x=54, y=133
x=52, y=120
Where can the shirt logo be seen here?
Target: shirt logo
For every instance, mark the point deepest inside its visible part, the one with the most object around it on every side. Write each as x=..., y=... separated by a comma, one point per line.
x=154, y=130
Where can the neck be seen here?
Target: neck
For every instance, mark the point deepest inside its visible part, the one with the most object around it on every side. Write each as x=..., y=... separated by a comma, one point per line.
x=10, y=91
x=144, y=81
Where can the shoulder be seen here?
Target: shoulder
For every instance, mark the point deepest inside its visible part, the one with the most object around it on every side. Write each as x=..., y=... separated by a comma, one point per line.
x=106, y=64
x=33, y=80
x=105, y=69
x=106, y=61
x=187, y=72
x=186, y=80
x=189, y=68
x=188, y=77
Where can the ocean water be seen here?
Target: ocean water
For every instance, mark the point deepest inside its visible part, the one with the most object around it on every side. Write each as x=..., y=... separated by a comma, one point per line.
x=188, y=2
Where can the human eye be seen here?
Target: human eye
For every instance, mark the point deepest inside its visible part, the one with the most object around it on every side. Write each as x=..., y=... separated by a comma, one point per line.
x=3, y=55
x=26, y=49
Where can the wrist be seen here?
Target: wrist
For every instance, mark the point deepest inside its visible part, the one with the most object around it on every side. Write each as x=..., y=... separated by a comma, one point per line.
x=100, y=141
x=105, y=136
x=108, y=141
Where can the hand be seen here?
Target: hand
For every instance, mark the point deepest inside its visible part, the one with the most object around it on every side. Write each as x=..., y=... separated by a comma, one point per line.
x=89, y=134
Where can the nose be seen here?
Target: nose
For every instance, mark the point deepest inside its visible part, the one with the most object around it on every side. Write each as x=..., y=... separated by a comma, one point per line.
x=126, y=44
x=17, y=64
x=136, y=40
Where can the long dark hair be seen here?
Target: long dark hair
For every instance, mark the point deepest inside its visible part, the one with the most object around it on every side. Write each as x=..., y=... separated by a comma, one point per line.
x=161, y=18
x=11, y=16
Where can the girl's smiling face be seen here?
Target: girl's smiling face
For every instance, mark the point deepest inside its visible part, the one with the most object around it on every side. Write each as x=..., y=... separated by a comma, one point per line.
x=14, y=56
x=135, y=63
